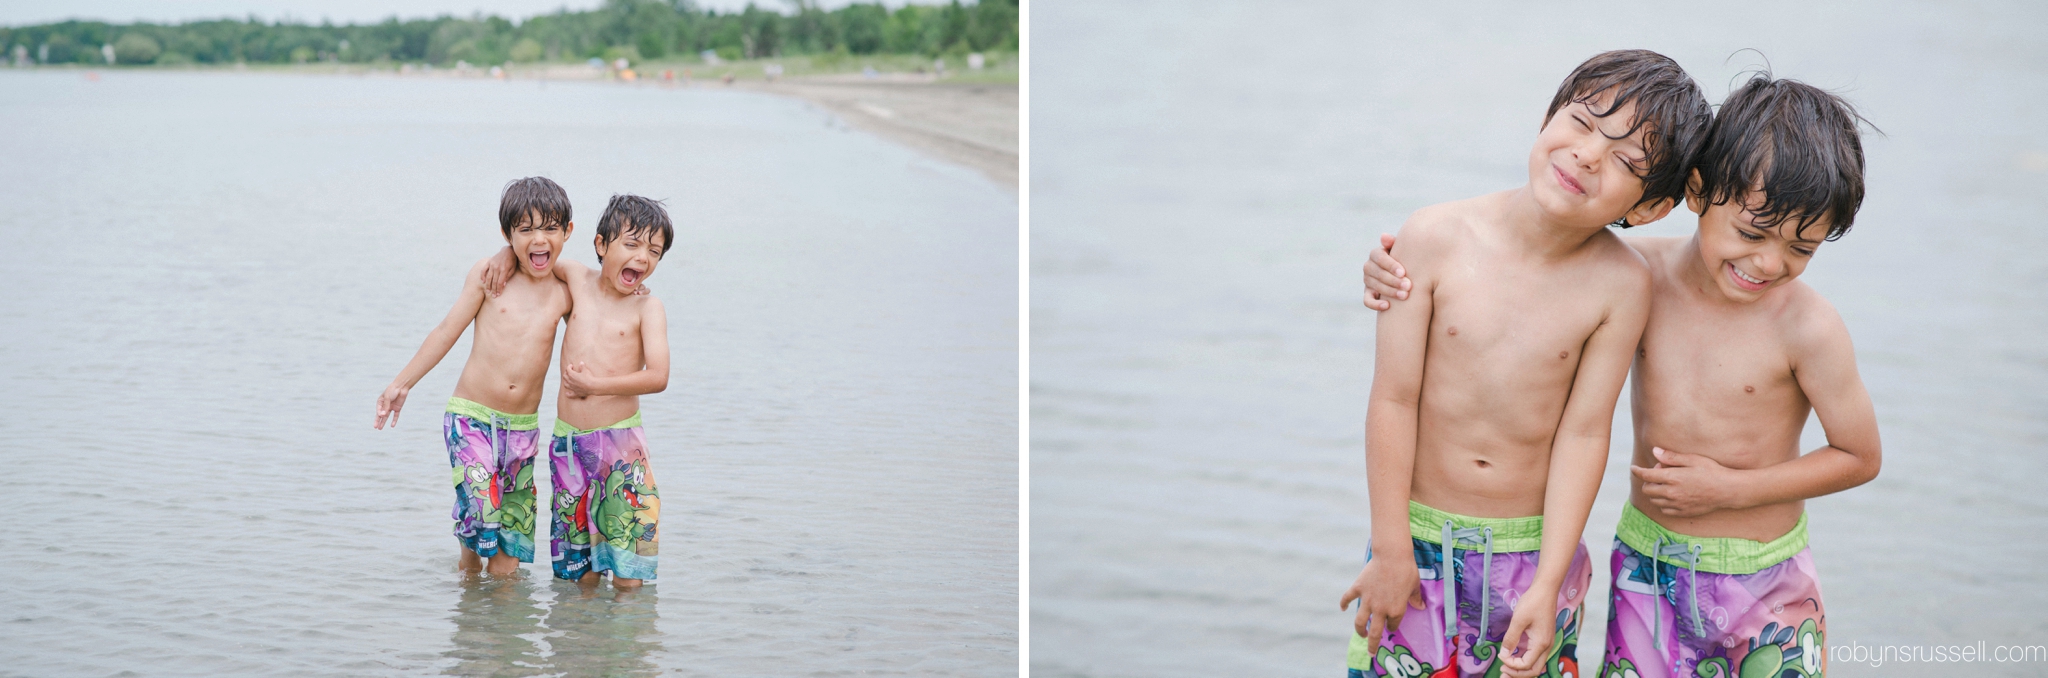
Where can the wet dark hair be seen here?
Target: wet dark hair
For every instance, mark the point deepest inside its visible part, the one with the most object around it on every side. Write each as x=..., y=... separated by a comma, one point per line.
x=1668, y=104
x=634, y=215
x=532, y=195
x=1797, y=144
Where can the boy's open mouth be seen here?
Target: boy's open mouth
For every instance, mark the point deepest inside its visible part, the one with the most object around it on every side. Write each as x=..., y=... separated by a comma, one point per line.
x=539, y=260
x=629, y=278
x=1744, y=281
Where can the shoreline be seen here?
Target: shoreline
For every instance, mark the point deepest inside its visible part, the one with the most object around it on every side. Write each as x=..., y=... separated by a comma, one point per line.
x=969, y=124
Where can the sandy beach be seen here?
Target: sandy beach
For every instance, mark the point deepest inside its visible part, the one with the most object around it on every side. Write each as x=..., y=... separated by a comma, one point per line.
x=972, y=124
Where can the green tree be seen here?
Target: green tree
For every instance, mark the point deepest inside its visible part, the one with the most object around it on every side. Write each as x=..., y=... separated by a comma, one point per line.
x=136, y=48
x=526, y=50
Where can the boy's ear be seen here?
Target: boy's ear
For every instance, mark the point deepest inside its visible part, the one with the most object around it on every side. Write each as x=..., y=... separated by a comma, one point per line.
x=1650, y=211
x=1693, y=200
x=568, y=227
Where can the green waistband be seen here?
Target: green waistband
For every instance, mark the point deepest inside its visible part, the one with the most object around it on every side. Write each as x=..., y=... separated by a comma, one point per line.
x=1510, y=535
x=1720, y=555
x=562, y=428
x=509, y=422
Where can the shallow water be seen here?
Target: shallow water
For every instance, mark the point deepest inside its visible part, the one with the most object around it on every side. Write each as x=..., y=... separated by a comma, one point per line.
x=210, y=277
x=1205, y=185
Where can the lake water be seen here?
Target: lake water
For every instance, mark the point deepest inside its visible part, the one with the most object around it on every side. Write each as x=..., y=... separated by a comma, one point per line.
x=210, y=276
x=1205, y=184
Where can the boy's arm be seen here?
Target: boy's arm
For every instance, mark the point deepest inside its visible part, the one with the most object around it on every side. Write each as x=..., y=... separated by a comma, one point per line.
x=651, y=379
x=1389, y=582
x=1578, y=457
x=1824, y=365
x=434, y=348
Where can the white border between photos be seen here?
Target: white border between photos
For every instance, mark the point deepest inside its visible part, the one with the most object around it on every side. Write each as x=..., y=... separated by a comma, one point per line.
x=1024, y=338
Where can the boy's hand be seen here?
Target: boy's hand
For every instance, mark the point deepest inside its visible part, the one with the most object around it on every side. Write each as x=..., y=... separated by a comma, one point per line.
x=389, y=402
x=1384, y=593
x=576, y=379
x=1385, y=279
x=1533, y=629
x=499, y=270
x=1687, y=485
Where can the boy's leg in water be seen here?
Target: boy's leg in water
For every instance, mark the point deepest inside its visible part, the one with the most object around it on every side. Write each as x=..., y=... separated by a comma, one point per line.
x=502, y=565
x=624, y=583
x=470, y=562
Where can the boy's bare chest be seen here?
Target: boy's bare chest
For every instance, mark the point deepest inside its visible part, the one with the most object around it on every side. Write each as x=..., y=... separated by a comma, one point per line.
x=522, y=313
x=1714, y=361
x=604, y=329
x=1526, y=319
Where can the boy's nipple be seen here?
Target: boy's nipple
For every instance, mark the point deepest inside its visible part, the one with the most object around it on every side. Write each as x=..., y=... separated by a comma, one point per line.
x=1748, y=389
x=1454, y=330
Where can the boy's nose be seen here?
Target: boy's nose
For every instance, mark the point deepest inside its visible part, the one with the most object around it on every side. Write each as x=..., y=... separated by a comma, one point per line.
x=1770, y=265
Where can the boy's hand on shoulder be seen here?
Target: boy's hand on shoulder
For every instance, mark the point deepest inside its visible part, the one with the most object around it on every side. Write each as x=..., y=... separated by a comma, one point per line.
x=389, y=403
x=1686, y=485
x=1385, y=279
x=1384, y=591
x=1525, y=650
x=498, y=270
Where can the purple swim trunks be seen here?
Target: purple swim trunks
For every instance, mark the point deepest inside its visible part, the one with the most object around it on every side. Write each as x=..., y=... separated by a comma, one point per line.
x=1712, y=607
x=1483, y=595
x=491, y=454
x=606, y=507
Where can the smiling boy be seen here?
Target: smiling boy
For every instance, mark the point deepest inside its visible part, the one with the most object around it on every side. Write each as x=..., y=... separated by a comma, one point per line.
x=1494, y=383
x=606, y=509
x=491, y=428
x=1712, y=574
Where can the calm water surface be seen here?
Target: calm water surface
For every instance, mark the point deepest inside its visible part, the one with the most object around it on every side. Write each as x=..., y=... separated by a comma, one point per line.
x=1206, y=183
x=209, y=278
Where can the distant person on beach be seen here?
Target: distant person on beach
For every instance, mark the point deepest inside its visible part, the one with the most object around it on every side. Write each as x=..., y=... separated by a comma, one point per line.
x=1494, y=384
x=606, y=508
x=1712, y=574
x=491, y=427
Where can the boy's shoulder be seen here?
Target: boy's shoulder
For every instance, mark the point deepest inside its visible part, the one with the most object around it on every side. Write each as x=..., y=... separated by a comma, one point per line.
x=1809, y=322
x=1435, y=231
x=1620, y=262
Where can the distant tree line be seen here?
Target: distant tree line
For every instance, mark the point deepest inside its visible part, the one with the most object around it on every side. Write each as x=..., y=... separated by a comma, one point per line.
x=633, y=29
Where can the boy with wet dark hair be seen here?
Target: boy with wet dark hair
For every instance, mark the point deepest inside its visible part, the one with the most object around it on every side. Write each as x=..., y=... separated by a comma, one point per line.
x=1712, y=574
x=491, y=428
x=1494, y=384
x=606, y=509
x=533, y=198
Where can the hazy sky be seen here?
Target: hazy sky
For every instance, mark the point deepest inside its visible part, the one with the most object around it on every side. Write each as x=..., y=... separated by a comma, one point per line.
x=25, y=12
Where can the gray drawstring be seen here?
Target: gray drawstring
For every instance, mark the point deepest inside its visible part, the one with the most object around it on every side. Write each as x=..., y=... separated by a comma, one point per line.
x=1448, y=573
x=1690, y=553
x=497, y=439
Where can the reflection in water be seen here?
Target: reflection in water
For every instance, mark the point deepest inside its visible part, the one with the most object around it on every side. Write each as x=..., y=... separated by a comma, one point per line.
x=596, y=632
x=497, y=629
x=501, y=629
